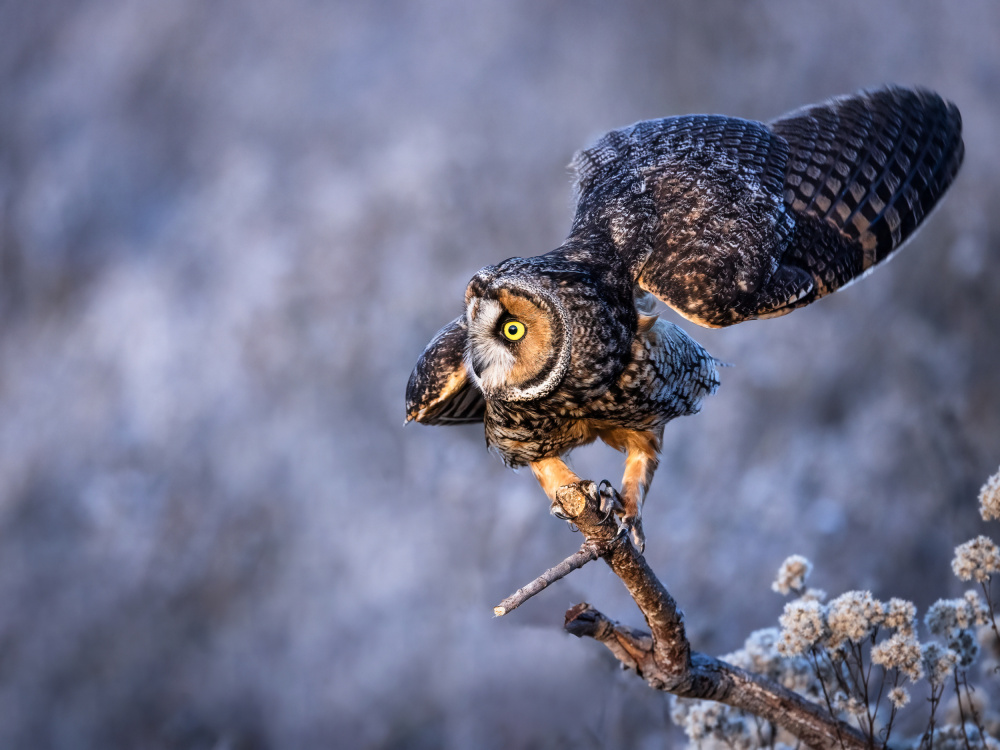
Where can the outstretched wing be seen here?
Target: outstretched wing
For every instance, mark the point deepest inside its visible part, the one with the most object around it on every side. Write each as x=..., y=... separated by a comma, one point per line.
x=728, y=220
x=439, y=391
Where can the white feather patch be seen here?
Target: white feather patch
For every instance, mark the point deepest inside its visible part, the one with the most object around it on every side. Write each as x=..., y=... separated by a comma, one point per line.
x=495, y=360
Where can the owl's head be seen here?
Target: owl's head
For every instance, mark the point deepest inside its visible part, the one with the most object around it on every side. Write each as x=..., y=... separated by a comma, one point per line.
x=518, y=345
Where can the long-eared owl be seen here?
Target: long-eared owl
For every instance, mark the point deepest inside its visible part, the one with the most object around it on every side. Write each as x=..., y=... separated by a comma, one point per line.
x=722, y=219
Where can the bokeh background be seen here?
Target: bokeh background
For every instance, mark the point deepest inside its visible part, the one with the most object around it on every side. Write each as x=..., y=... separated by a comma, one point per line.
x=228, y=229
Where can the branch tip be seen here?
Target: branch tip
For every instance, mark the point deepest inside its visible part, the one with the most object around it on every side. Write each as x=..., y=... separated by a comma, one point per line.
x=578, y=559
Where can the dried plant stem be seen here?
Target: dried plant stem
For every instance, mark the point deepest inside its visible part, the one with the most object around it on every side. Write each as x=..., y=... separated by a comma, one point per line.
x=976, y=718
x=936, y=693
x=961, y=711
x=839, y=667
x=866, y=678
x=663, y=656
x=892, y=714
x=987, y=584
x=822, y=684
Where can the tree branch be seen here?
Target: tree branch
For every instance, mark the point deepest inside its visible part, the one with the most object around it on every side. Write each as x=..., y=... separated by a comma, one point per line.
x=578, y=559
x=663, y=657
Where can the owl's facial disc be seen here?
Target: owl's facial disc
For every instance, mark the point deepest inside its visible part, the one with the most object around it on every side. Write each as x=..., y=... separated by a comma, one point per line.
x=514, y=344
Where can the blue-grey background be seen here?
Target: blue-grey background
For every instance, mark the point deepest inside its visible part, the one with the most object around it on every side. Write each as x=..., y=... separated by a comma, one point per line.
x=228, y=229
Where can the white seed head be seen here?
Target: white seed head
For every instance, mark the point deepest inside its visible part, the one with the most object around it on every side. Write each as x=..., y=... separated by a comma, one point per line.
x=856, y=707
x=899, y=697
x=977, y=559
x=852, y=616
x=938, y=662
x=792, y=574
x=901, y=615
x=989, y=498
x=900, y=652
x=946, y=616
x=803, y=625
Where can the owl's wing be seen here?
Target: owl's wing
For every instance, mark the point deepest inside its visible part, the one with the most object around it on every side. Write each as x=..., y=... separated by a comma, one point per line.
x=439, y=390
x=728, y=220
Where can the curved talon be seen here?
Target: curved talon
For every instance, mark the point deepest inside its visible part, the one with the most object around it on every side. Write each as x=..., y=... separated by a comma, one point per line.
x=610, y=500
x=556, y=511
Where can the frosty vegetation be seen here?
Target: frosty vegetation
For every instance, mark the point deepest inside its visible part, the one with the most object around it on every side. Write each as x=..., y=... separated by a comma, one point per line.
x=866, y=663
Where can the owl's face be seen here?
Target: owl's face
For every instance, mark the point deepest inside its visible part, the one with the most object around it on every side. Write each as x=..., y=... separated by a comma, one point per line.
x=518, y=345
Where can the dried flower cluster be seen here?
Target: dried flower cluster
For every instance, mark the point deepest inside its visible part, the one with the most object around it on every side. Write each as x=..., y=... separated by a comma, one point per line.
x=901, y=616
x=827, y=651
x=902, y=652
x=803, y=625
x=978, y=558
x=948, y=616
x=853, y=616
x=792, y=575
x=989, y=498
x=899, y=697
x=938, y=663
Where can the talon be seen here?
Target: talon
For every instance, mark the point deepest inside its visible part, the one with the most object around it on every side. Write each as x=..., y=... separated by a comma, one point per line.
x=610, y=500
x=557, y=511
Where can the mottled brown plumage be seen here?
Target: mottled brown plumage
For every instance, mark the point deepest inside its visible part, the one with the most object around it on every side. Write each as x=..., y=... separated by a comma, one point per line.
x=722, y=219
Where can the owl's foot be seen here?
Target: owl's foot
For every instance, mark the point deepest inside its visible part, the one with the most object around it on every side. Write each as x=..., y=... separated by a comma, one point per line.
x=571, y=499
x=611, y=501
x=632, y=525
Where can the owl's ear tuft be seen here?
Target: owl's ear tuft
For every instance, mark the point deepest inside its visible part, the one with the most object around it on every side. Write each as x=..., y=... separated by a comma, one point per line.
x=439, y=390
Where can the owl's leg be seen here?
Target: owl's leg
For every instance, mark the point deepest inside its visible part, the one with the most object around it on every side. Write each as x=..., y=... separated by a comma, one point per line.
x=557, y=478
x=642, y=456
x=553, y=474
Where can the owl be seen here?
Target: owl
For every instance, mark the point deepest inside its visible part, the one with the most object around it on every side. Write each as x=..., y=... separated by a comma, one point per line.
x=723, y=220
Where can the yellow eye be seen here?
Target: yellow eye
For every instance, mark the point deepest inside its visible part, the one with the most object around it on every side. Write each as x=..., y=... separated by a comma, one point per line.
x=514, y=330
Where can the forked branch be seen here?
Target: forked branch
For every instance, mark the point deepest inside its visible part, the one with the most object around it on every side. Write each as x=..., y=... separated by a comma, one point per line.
x=663, y=656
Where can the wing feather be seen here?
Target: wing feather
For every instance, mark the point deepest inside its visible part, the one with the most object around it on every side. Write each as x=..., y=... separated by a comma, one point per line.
x=439, y=390
x=728, y=220
x=869, y=167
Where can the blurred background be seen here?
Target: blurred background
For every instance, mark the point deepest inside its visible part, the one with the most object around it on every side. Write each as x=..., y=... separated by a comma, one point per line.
x=227, y=231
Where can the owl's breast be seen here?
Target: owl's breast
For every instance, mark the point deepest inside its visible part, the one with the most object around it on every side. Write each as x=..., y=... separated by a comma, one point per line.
x=522, y=432
x=667, y=375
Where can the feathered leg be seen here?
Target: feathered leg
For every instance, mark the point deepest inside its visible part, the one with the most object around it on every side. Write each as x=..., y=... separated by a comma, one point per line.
x=642, y=456
x=557, y=478
x=553, y=473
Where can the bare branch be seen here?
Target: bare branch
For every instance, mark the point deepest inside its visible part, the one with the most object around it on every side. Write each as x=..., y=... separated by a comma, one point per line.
x=578, y=559
x=708, y=678
x=663, y=657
